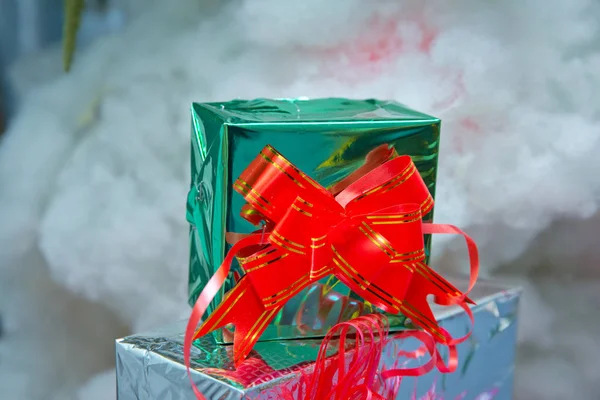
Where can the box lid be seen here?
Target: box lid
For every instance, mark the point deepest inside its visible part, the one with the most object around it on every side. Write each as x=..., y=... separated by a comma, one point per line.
x=327, y=110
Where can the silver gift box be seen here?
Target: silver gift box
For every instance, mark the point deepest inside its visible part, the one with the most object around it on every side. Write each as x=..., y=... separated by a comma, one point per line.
x=150, y=365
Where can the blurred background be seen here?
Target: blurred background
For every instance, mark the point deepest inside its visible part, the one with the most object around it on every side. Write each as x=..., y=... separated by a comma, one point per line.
x=94, y=162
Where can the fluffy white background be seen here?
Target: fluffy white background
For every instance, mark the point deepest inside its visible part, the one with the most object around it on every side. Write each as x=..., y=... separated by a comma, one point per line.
x=94, y=169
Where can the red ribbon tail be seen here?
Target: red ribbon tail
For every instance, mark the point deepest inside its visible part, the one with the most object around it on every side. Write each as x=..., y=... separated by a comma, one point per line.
x=416, y=307
x=251, y=322
x=208, y=294
x=242, y=308
x=220, y=317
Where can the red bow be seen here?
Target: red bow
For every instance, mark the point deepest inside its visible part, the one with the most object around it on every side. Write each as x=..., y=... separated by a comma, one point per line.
x=370, y=236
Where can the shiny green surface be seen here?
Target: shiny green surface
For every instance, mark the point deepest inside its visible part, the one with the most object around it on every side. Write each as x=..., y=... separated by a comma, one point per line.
x=327, y=139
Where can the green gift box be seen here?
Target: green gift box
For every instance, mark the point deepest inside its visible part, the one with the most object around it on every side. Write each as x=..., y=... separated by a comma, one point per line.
x=328, y=139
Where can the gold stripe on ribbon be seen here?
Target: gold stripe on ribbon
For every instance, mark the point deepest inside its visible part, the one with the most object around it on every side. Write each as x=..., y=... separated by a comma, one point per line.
x=396, y=222
x=395, y=216
x=372, y=288
x=412, y=312
x=378, y=240
x=407, y=257
x=375, y=290
x=267, y=263
x=249, y=195
x=403, y=177
x=288, y=248
x=374, y=241
x=409, y=170
x=310, y=180
x=256, y=328
x=315, y=274
x=418, y=312
x=253, y=257
x=295, y=207
x=348, y=274
x=282, y=158
x=411, y=253
x=270, y=161
x=285, y=292
x=280, y=236
x=423, y=270
x=388, y=302
x=427, y=205
x=369, y=288
x=300, y=199
x=239, y=296
x=292, y=166
x=354, y=273
x=255, y=192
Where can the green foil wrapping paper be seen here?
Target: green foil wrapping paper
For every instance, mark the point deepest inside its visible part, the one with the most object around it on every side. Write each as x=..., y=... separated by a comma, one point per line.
x=326, y=138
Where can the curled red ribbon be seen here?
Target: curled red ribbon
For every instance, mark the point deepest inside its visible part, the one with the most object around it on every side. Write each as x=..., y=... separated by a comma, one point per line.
x=370, y=236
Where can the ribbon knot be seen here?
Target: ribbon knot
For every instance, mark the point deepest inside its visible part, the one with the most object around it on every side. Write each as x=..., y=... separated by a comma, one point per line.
x=369, y=235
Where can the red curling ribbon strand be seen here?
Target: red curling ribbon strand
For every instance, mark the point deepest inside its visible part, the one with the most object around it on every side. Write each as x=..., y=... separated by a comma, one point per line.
x=429, y=228
x=370, y=236
x=357, y=368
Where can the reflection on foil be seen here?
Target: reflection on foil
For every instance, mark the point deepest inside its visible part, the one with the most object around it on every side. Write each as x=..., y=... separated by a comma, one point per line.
x=331, y=308
x=434, y=394
x=492, y=307
x=316, y=310
x=469, y=357
x=503, y=322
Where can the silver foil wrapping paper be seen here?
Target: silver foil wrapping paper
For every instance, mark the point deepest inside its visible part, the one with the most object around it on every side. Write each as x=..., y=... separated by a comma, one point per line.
x=150, y=365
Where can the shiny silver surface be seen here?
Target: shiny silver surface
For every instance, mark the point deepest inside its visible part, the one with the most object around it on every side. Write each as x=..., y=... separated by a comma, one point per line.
x=150, y=365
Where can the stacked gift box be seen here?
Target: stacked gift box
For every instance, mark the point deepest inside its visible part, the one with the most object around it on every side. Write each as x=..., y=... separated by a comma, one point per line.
x=263, y=327
x=150, y=365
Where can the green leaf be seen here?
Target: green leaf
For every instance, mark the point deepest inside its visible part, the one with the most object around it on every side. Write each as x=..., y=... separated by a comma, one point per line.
x=73, y=11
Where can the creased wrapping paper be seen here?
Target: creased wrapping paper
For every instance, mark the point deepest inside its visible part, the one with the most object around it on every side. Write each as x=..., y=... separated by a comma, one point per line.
x=150, y=366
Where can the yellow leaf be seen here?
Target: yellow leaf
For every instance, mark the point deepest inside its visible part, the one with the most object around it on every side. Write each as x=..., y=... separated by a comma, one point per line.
x=73, y=11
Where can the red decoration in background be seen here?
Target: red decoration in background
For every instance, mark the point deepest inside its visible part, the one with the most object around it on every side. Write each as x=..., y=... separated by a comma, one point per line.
x=380, y=42
x=387, y=40
x=370, y=236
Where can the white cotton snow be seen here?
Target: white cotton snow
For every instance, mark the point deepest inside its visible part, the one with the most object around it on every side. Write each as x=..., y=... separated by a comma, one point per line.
x=94, y=168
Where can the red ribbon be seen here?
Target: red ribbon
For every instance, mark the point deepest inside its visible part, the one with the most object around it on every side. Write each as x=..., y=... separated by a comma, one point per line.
x=370, y=236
